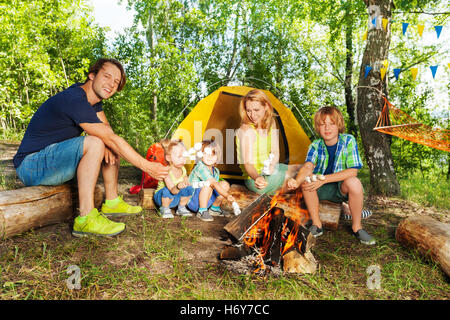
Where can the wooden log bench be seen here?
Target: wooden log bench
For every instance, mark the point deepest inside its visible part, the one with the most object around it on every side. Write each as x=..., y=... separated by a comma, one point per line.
x=33, y=207
x=429, y=236
x=329, y=212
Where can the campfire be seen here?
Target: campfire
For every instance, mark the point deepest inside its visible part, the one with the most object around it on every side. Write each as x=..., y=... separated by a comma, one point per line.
x=271, y=230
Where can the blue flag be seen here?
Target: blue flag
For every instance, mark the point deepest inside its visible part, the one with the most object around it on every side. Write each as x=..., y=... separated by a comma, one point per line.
x=374, y=21
x=404, y=27
x=438, y=30
x=433, y=70
x=397, y=72
x=367, y=70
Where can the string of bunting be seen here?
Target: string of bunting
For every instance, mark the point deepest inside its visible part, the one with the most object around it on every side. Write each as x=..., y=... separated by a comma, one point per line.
x=414, y=71
x=383, y=68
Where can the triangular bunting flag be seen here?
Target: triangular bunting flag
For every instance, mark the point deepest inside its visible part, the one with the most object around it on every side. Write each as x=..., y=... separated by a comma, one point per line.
x=386, y=63
x=438, y=30
x=374, y=21
x=364, y=37
x=367, y=70
x=384, y=21
x=433, y=70
x=382, y=72
x=420, y=28
x=404, y=27
x=448, y=64
x=397, y=72
x=414, y=73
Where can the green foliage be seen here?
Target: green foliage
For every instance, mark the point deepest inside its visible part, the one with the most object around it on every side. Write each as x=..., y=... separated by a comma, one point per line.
x=45, y=46
x=177, y=52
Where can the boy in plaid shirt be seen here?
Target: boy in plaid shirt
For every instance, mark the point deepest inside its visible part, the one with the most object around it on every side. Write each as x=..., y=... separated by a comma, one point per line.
x=335, y=156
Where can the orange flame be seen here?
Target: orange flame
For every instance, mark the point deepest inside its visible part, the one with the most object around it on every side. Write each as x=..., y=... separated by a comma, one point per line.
x=262, y=232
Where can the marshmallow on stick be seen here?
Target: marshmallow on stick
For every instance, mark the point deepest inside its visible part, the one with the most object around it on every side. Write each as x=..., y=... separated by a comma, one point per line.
x=236, y=209
x=267, y=162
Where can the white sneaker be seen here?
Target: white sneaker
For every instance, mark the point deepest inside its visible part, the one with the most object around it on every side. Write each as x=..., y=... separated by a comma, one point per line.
x=165, y=213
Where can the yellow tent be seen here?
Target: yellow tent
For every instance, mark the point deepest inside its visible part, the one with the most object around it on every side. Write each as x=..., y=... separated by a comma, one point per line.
x=217, y=115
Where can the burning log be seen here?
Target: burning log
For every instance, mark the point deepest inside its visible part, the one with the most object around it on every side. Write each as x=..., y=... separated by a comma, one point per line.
x=429, y=236
x=243, y=223
x=264, y=227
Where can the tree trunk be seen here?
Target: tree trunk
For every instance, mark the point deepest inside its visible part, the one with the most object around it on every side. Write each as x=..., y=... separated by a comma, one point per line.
x=369, y=104
x=349, y=101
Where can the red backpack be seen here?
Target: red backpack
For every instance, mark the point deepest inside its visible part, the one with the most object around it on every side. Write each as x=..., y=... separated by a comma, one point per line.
x=154, y=154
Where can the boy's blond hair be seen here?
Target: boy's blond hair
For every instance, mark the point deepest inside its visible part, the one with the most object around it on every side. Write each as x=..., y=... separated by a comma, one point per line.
x=335, y=116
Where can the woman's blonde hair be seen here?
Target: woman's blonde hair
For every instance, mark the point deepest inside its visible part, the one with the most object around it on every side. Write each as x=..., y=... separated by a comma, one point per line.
x=256, y=95
x=335, y=116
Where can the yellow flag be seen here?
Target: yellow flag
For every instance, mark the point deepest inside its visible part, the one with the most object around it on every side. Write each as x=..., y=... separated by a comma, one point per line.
x=448, y=64
x=414, y=73
x=420, y=28
x=382, y=72
x=384, y=21
x=364, y=37
x=385, y=63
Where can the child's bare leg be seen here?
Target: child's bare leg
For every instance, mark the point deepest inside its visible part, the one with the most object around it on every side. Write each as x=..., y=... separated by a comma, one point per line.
x=312, y=203
x=353, y=187
x=203, y=197
x=184, y=201
x=225, y=186
x=166, y=202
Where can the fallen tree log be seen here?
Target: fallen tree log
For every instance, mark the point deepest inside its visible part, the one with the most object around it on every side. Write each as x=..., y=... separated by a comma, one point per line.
x=429, y=236
x=33, y=207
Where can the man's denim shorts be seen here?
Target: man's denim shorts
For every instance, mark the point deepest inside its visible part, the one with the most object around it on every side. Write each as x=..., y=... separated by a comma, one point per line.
x=53, y=165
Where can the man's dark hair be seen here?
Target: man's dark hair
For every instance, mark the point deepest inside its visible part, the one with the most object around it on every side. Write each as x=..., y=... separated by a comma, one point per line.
x=95, y=68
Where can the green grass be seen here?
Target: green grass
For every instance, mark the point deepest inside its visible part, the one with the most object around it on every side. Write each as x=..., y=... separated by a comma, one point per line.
x=152, y=260
x=429, y=191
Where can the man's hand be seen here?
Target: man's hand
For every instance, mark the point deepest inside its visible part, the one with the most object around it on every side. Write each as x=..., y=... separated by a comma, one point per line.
x=156, y=170
x=260, y=182
x=110, y=157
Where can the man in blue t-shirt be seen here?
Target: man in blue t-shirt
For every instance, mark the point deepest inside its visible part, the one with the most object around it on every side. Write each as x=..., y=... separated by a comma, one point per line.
x=53, y=150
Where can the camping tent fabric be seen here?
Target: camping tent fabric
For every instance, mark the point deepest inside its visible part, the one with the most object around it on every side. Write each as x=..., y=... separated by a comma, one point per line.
x=217, y=115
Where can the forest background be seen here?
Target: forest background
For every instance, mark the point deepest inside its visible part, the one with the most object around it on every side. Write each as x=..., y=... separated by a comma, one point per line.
x=308, y=53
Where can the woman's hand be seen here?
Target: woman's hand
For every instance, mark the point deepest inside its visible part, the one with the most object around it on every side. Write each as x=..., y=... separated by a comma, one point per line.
x=292, y=184
x=260, y=182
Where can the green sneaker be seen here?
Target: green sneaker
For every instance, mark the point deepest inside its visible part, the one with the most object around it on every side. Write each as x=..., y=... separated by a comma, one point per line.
x=95, y=223
x=121, y=209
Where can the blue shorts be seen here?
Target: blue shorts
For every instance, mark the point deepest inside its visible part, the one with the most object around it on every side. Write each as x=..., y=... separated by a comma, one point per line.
x=165, y=193
x=194, y=204
x=53, y=165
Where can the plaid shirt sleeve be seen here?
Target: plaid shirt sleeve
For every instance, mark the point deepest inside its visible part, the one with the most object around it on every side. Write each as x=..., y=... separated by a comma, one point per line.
x=353, y=158
x=313, y=153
